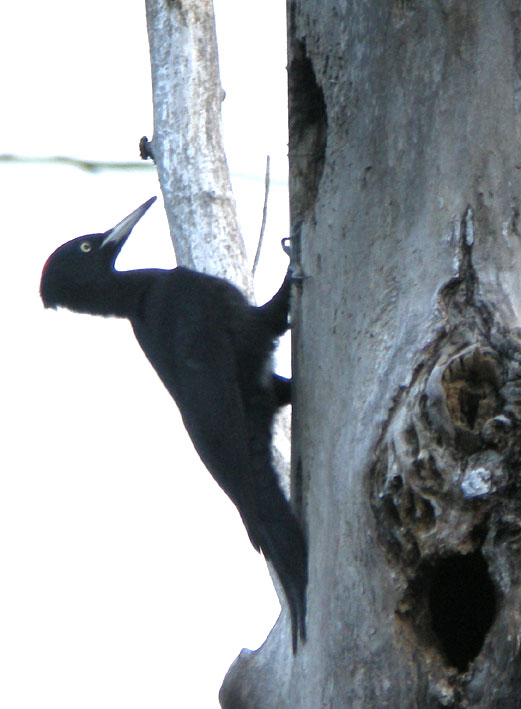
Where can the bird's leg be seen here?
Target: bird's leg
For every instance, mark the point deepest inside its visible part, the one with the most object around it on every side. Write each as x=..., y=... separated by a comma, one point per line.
x=276, y=311
x=291, y=247
x=282, y=390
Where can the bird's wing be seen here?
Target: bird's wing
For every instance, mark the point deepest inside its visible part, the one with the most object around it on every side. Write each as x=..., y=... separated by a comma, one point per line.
x=209, y=399
x=231, y=436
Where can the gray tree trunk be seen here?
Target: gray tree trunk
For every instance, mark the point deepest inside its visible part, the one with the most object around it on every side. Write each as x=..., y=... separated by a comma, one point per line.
x=405, y=173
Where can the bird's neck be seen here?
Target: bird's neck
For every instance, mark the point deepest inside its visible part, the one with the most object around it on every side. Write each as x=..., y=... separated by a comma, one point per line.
x=131, y=288
x=120, y=296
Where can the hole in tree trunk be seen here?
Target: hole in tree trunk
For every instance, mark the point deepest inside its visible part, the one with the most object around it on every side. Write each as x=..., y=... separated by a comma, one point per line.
x=308, y=130
x=462, y=603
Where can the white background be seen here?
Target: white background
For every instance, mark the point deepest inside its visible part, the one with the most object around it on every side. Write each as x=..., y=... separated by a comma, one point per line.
x=126, y=578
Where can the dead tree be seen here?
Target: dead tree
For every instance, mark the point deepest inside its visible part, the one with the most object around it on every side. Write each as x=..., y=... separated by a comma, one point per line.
x=405, y=179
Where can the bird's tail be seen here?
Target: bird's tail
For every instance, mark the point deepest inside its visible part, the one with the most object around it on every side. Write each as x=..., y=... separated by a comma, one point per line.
x=267, y=515
x=274, y=530
x=282, y=543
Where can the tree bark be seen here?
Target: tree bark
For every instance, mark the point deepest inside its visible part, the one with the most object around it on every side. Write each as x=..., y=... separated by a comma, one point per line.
x=405, y=176
x=187, y=145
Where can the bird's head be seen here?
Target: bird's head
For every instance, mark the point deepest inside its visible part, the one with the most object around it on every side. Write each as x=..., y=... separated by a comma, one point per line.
x=77, y=272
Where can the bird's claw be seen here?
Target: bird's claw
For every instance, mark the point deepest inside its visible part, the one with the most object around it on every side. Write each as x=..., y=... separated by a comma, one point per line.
x=294, y=270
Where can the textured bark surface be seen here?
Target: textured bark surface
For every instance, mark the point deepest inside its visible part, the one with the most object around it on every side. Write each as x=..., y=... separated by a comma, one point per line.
x=405, y=173
x=187, y=145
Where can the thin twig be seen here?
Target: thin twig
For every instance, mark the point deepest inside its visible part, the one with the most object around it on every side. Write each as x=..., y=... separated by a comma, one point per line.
x=264, y=215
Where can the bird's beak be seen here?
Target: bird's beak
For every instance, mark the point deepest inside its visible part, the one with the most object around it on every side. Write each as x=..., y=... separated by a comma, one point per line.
x=121, y=231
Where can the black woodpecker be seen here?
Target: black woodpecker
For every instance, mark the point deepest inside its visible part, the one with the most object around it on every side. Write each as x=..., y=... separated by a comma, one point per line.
x=212, y=351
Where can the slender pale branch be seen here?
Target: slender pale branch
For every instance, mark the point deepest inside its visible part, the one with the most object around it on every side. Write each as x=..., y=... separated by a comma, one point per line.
x=187, y=145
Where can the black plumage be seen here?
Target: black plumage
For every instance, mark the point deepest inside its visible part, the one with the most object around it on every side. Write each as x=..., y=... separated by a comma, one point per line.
x=212, y=351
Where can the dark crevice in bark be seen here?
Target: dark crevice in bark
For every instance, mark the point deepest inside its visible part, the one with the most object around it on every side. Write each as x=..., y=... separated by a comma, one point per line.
x=307, y=130
x=297, y=485
x=462, y=604
x=452, y=602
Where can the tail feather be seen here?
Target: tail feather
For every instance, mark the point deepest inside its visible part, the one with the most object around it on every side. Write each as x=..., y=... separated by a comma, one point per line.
x=274, y=529
x=267, y=515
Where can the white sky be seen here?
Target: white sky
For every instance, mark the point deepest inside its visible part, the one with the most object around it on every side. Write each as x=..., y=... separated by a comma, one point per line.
x=127, y=579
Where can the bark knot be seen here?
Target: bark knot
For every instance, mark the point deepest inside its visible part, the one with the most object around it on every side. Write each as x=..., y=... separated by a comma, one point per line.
x=446, y=485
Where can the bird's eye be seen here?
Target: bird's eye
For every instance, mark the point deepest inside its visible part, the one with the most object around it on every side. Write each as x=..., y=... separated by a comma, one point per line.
x=85, y=246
